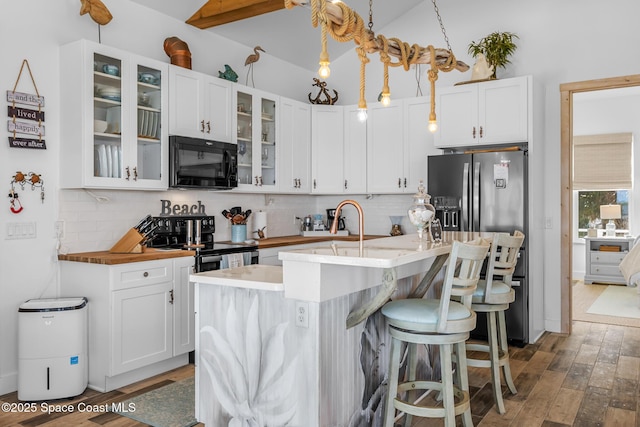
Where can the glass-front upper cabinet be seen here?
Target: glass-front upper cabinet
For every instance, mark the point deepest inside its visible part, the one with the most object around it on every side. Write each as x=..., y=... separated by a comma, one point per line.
x=107, y=116
x=113, y=112
x=149, y=149
x=256, y=118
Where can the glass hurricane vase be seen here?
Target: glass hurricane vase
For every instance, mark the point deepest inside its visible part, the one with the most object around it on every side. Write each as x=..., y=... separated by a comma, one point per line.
x=421, y=212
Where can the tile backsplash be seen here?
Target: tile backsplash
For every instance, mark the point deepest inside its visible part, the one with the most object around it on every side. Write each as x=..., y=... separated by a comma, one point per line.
x=96, y=219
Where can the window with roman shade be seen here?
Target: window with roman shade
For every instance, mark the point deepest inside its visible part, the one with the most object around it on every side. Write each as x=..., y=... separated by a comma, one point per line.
x=602, y=162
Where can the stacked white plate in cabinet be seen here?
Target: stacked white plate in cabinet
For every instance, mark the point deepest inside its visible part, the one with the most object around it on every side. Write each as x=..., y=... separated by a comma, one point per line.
x=148, y=122
x=108, y=161
x=102, y=160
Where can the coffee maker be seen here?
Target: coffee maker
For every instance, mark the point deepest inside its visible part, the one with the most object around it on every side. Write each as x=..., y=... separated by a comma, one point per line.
x=331, y=216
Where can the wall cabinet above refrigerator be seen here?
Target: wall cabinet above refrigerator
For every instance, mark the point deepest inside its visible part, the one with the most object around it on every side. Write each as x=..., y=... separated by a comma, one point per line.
x=485, y=113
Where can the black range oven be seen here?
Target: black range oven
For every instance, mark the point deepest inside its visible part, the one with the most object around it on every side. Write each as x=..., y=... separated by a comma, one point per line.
x=196, y=233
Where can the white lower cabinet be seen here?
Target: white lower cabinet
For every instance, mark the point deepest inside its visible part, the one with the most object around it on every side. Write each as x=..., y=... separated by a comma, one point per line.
x=142, y=327
x=141, y=317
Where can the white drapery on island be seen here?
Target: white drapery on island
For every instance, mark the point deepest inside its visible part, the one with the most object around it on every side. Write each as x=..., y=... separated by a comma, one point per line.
x=304, y=344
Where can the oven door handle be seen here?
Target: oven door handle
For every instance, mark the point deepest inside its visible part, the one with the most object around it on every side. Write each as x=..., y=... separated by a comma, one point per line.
x=210, y=258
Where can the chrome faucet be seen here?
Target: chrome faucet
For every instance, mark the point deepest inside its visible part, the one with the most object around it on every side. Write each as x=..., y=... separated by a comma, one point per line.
x=334, y=225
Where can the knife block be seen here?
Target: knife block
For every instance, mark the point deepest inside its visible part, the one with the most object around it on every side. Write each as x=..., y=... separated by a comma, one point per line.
x=131, y=242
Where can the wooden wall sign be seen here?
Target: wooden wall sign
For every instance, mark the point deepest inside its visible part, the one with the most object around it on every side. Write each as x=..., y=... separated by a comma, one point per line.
x=27, y=143
x=25, y=113
x=25, y=98
x=22, y=120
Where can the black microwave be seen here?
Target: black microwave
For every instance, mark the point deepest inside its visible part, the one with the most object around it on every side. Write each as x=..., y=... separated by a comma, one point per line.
x=202, y=164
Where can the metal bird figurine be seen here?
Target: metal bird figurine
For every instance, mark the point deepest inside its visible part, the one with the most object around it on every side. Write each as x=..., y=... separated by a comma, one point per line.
x=96, y=10
x=251, y=59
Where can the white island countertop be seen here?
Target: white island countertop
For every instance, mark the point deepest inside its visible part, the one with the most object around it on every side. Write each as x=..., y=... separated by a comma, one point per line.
x=255, y=276
x=383, y=253
x=386, y=252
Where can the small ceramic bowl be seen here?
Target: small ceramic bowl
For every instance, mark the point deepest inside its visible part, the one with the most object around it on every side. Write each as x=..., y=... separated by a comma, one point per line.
x=99, y=126
x=147, y=78
x=111, y=69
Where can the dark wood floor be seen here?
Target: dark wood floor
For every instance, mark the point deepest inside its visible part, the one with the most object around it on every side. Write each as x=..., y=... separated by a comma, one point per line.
x=589, y=378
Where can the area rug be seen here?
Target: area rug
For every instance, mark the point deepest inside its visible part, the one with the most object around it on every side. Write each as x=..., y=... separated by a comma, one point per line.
x=583, y=297
x=619, y=301
x=170, y=406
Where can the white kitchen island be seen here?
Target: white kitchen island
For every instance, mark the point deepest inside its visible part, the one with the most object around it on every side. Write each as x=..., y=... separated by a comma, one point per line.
x=305, y=344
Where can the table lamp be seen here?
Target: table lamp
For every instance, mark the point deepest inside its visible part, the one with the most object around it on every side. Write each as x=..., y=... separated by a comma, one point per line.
x=610, y=212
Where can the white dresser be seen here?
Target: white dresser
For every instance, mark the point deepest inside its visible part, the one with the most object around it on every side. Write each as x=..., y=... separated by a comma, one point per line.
x=603, y=258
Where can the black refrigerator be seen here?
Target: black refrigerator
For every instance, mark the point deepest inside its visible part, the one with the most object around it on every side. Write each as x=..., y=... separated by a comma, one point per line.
x=487, y=191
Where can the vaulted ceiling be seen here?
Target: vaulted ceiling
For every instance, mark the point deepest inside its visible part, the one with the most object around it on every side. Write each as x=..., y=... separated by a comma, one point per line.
x=286, y=34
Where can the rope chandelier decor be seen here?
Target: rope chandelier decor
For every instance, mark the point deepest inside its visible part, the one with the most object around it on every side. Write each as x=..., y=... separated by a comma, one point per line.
x=344, y=24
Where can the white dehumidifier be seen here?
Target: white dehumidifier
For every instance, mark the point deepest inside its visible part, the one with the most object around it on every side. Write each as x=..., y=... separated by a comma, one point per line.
x=52, y=348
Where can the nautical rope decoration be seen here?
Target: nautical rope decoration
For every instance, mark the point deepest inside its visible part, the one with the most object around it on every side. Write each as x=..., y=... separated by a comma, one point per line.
x=344, y=24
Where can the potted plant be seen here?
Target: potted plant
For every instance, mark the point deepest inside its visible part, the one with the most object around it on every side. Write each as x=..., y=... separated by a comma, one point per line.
x=496, y=48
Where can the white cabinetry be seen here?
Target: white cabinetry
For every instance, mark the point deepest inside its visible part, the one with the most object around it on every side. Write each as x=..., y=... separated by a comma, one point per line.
x=397, y=146
x=493, y=112
x=354, y=165
x=338, y=146
x=603, y=266
x=294, y=146
x=141, y=317
x=114, y=106
x=200, y=105
x=257, y=135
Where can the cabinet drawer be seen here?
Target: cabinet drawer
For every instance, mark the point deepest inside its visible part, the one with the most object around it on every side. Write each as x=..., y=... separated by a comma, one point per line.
x=599, y=257
x=605, y=270
x=142, y=274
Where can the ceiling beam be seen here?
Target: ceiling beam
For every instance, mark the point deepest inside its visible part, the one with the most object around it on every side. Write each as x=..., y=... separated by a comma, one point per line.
x=218, y=12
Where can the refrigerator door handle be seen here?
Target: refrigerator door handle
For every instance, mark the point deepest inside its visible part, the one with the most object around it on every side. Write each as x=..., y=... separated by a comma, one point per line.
x=454, y=219
x=445, y=217
x=476, y=197
x=465, y=198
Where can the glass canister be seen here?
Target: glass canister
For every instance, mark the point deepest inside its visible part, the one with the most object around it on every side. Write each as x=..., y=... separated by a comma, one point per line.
x=421, y=213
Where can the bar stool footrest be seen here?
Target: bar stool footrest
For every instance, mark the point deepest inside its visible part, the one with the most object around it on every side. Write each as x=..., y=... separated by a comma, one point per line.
x=462, y=400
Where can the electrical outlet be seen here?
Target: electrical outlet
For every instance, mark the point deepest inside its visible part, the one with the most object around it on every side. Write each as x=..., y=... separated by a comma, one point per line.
x=302, y=314
x=59, y=230
x=548, y=222
x=295, y=219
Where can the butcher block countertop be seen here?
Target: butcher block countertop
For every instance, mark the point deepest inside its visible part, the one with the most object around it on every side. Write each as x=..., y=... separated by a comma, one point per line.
x=273, y=242
x=108, y=258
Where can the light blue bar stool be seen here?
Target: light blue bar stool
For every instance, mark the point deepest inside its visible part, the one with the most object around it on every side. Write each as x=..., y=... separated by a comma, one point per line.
x=440, y=322
x=493, y=296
